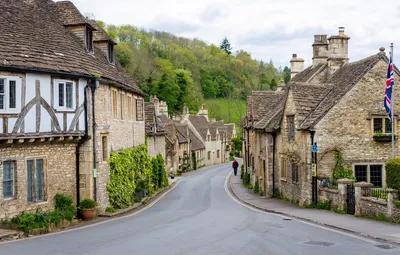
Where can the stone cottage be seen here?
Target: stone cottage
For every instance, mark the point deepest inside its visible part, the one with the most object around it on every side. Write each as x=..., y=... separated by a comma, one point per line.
x=337, y=104
x=65, y=104
x=155, y=130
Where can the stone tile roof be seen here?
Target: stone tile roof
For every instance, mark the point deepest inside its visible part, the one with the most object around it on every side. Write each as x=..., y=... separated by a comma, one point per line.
x=342, y=80
x=153, y=124
x=182, y=131
x=309, y=72
x=99, y=34
x=229, y=130
x=169, y=127
x=35, y=38
x=273, y=110
x=196, y=144
x=201, y=124
x=68, y=13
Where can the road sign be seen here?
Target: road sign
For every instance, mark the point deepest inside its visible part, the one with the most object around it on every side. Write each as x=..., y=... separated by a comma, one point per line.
x=315, y=148
x=248, y=170
x=314, y=169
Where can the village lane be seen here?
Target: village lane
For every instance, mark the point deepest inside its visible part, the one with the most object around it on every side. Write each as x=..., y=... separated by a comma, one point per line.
x=197, y=217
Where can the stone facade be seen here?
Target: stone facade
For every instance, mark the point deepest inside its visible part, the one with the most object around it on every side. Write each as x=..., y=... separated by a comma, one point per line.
x=59, y=175
x=156, y=145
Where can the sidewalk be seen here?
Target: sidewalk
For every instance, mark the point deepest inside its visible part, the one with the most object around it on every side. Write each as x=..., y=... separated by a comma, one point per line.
x=375, y=229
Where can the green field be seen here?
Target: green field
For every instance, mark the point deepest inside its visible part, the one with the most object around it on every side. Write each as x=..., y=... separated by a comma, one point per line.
x=228, y=110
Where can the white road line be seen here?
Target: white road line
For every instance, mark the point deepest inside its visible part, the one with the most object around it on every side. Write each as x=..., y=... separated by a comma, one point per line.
x=99, y=223
x=283, y=216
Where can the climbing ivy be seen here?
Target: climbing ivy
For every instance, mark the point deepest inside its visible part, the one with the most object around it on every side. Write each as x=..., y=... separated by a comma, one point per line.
x=194, y=159
x=340, y=171
x=130, y=170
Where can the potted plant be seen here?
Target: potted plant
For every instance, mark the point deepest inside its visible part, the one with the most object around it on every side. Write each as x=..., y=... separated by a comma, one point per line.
x=87, y=207
x=172, y=174
x=140, y=191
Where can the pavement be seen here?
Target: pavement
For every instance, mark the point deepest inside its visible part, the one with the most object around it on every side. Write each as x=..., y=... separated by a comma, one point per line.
x=199, y=216
x=365, y=227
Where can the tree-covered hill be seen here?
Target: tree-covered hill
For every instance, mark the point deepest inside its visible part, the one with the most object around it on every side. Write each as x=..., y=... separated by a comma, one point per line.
x=181, y=70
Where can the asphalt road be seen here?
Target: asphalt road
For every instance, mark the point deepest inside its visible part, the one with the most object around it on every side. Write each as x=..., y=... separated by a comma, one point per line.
x=197, y=217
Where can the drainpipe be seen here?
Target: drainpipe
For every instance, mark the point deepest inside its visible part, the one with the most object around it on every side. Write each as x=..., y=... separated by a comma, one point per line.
x=93, y=86
x=77, y=152
x=273, y=160
x=313, y=159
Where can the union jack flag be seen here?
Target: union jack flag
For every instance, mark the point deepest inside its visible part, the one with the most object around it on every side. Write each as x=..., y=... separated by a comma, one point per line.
x=389, y=88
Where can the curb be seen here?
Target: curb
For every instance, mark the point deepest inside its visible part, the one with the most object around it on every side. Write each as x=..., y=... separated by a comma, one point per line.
x=305, y=219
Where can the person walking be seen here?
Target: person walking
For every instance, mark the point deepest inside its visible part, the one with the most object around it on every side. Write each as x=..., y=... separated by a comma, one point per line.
x=235, y=166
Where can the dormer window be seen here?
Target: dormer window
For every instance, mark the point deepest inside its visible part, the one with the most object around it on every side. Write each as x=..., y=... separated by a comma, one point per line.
x=111, y=58
x=89, y=39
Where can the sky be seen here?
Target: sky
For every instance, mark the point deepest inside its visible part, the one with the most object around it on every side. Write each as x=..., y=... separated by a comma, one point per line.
x=267, y=29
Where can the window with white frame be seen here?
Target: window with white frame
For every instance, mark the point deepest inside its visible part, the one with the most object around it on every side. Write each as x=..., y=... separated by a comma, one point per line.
x=65, y=95
x=10, y=93
x=8, y=180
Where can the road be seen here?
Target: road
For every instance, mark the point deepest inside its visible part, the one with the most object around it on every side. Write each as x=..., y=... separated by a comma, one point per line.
x=197, y=217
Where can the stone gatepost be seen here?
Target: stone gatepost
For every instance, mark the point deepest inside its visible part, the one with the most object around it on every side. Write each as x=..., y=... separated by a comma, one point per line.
x=362, y=189
x=342, y=187
x=392, y=195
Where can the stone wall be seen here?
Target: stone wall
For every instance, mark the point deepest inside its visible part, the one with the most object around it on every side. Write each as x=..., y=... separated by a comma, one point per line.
x=372, y=207
x=156, y=145
x=120, y=131
x=331, y=195
x=348, y=126
x=59, y=175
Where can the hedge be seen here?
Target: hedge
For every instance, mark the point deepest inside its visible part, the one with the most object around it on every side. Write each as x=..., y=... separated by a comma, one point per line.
x=393, y=173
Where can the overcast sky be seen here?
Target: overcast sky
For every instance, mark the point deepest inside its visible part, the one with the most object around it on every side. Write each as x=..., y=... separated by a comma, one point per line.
x=268, y=29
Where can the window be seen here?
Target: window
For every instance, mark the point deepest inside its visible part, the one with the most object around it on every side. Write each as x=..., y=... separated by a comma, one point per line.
x=139, y=109
x=369, y=173
x=376, y=175
x=115, y=102
x=89, y=39
x=295, y=172
x=283, y=168
x=104, y=146
x=217, y=153
x=360, y=172
x=36, y=188
x=9, y=94
x=65, y=98
x=291, y=128
x=8, y=180
x=122, y=102
x=111, y=58
x=209, y=155
x=382, y=125
x=129, y=108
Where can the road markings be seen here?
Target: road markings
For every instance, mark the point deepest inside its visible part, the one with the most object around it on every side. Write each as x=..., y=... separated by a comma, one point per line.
x=285, y=217
x=99, y=223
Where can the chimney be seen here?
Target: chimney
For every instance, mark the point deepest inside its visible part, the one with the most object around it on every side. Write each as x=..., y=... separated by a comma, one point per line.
x=203, y=111
x=296, y=65
x=185, y=112
x=338, y=51
x=163, y=108
x=213, y=120
x=320, y=49
x=156, y=103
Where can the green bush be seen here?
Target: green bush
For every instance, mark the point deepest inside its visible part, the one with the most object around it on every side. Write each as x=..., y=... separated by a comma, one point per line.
x=393, y=173
x=237, y=143
x=397, y=203
x=276, y=193
x=128, y=169
x=241, y=171
x=159, y=173
x=340, y=171
x=110, y=209
x=323, y=205
x=194, y=160
x=256, y=188
x=87, y=203
x=65, y=207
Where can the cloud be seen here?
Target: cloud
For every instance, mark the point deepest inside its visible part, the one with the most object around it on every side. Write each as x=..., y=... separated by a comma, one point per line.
x=268, y=29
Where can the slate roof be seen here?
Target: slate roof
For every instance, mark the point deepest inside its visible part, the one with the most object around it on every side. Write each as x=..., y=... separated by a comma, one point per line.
x=201, y=124
x=229, y=130
x=153, y=125
x=36, y=39
x=196, y=144
x=68, y=13
x=99, y=34
x=342, y=80
x=309, y=72
x=182, y=133
x=169, y=127
x=273, y=110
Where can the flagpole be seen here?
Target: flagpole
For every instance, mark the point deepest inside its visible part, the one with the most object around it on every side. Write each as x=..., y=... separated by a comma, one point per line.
x=392, y=102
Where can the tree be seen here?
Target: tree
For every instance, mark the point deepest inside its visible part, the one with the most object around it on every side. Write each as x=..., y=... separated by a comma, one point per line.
x=226, y=46
x=273, y=85
x=286, y=74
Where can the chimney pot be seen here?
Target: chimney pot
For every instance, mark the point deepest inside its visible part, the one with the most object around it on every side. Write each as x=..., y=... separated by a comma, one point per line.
x=382, y=49
x=294, y=55
x=155, y=96
x=341, y=31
